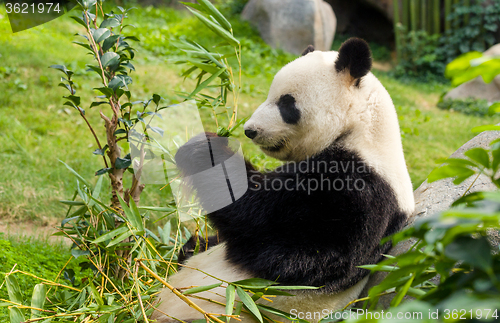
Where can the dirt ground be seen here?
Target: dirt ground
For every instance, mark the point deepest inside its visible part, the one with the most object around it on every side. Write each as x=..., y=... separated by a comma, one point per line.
x=30, y=229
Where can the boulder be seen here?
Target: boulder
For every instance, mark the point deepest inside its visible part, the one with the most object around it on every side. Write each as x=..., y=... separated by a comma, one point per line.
x=292, y=25
x=477, y=88
x=431, y=198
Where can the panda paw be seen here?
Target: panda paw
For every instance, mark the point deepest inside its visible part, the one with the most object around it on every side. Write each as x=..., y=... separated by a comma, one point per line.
x=202, y=152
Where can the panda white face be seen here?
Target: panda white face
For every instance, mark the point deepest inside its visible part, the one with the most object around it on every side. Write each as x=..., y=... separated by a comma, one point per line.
x=312, y=101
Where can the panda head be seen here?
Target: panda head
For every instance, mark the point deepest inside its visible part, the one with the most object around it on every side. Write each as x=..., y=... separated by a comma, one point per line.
x=313, y=101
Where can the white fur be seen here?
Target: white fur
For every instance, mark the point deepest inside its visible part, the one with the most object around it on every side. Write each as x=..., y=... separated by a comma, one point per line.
x=330, y=105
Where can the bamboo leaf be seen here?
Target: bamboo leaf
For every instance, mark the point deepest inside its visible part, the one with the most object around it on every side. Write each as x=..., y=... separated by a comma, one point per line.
x=76, y=174
x=205, y=83
x=111, y=234
x=97, y=297
x=13, y=289
x=216, y=29
x=210, y=9
x=402, y=292
x=200, y=289
x=249, y=303
x=137, y=215
x=119, y=239
x=230, y=296
x=16, y=316
x=254, y=283
x=38, y=299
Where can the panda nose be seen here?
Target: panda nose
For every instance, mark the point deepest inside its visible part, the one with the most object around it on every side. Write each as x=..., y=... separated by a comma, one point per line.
x=250, y=133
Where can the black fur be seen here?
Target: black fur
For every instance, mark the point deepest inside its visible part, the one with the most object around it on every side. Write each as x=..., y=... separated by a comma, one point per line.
x=289, y=112
x=296, y=237
x=355, y=56
x=308, y=50
x=187, y=250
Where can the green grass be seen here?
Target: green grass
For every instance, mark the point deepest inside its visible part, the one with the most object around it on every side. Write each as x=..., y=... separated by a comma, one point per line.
x=36, y=130
x=34, y=256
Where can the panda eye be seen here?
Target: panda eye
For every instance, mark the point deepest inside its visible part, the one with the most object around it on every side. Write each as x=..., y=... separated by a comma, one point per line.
x=288, y=110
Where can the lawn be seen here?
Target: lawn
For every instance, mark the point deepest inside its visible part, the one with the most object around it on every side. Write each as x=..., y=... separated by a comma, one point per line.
x=36, y=130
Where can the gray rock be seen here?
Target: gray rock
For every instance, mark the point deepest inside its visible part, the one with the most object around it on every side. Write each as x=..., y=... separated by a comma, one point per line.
x=292, y=25
x=477, y=88
x=431, y=198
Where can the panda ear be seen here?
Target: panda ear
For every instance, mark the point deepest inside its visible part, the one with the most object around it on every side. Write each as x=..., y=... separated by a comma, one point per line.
x=355, y=57
x=308, y=50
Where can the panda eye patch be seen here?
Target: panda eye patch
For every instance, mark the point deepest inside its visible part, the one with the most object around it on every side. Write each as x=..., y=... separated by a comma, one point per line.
x=288, y=110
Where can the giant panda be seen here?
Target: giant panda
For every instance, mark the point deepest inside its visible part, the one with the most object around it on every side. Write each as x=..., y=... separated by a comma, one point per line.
x=322, y=108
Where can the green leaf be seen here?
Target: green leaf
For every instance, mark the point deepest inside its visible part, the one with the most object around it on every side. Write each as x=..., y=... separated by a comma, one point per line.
x=74, y=99
x=98, y=103
x=157, y=208
x=216, y=29
x=71, y=202
x=134, y=38
x=101, y=34
x=205, y=83
x=109, y=42
x=122, y=163
x=110, y=58
x=103, y=171
x=489, y=127
x=63, y=69
x=86, y=46
x=200, y=289
x=402, y=292
x=291, y=287
x=476, y=252
x=156, y=99
x=479, y=155
x=111, y=234
x=460, y=64
x=97, y=297
x=76, y=174
x=105, y=90
x=249, y=303
x=494, y=108
x=110, y=23
x=13, y=289
x=38, y=299
x=211, y=10
x=230, y=297
x=79, y=20
x=447, y=171
x=135, y=212
x=119, y=239
x=254, y=283
x=16, y=316
x=77, y=253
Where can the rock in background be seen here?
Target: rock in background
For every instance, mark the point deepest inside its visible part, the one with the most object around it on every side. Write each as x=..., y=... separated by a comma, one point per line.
x=477, y=88
x=292, y=25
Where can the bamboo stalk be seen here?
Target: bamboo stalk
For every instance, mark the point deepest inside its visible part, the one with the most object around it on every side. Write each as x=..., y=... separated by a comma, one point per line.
x=437, y=16
x=447, y=11
x=413, y=15
x=423, y=14
x=467, y=16
x=406, y=23
x=180, y=295
x=397, y=31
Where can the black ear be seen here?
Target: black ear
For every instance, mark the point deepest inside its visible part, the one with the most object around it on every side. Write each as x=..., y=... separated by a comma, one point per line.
x=356, y=57
x=309, y=49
